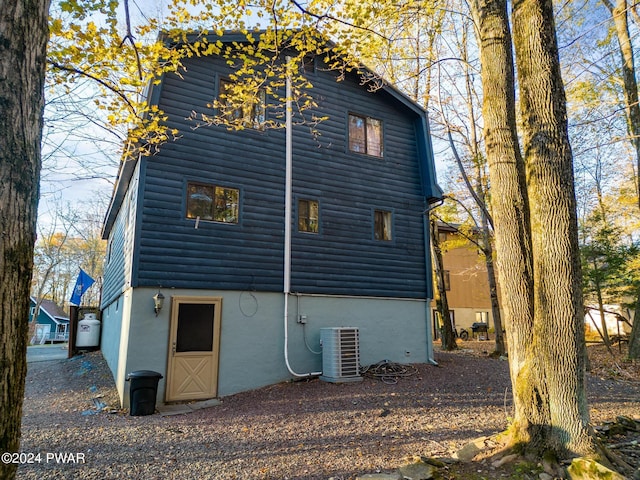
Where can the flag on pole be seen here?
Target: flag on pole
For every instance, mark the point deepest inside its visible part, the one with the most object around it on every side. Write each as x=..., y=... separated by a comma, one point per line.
x=83, y=283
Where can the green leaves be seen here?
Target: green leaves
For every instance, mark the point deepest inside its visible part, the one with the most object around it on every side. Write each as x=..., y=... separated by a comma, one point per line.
x=609, y=260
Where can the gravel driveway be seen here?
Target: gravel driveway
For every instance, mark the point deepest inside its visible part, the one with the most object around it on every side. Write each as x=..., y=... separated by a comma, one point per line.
x=298, y=430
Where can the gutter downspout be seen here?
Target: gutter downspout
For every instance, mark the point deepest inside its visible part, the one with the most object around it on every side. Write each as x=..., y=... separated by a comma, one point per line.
x=287, y=226
x=427, y=267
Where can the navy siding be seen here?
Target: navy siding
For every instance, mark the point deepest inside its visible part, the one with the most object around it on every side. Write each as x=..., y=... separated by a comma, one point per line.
x=343, y=258
x=115, y=272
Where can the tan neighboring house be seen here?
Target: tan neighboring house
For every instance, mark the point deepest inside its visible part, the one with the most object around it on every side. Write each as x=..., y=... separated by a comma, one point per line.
x=466, y=283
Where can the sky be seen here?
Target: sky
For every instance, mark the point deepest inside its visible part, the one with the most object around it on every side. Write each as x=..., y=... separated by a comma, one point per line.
x=80, y=160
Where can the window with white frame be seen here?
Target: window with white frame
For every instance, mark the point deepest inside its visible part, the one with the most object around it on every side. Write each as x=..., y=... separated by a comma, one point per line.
x=482, y=317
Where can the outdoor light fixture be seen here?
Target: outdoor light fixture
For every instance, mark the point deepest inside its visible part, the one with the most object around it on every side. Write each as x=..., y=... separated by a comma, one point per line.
x=158, y=302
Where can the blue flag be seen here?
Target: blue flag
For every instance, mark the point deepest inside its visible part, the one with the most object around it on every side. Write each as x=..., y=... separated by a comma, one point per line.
x=83, y=283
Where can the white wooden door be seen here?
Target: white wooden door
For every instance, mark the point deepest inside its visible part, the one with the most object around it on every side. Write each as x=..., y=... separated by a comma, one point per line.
x=43, y=332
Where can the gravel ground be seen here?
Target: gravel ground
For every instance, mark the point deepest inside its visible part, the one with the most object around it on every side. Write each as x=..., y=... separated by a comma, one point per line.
x=297, y=430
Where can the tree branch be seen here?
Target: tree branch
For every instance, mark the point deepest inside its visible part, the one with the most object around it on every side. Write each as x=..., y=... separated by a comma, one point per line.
x=95, y=79
x=467, y=182
x=129, y=36
x=325, y=16
x=467, y=237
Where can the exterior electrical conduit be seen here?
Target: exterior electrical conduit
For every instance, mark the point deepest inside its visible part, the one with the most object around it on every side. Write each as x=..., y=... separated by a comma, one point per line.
x=287, y=226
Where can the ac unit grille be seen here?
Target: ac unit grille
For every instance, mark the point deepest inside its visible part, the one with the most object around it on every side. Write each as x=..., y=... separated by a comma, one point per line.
x=340, y=354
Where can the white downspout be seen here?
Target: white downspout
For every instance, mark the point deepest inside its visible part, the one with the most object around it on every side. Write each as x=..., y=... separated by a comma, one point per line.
x=287, y=224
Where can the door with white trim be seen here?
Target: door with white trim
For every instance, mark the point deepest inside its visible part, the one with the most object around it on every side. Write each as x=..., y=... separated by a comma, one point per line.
x=194, y=348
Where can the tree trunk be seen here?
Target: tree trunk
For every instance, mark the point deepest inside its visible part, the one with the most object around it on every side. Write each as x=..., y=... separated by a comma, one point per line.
x=442, y=305
x=634, y=340
x=493, y=289
x=510, y=204
x=620, y=20
x=555, y=355
x=481, y=200
x=23, y=34
x=536, y=227
x=603, y=320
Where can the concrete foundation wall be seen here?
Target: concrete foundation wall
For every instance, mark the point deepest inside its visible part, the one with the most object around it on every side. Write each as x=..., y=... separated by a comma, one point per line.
x=253, y=335
x=110, y=333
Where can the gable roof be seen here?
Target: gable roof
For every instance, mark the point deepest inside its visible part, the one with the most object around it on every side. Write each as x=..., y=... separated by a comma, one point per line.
x=51, y=309
x=431, y=190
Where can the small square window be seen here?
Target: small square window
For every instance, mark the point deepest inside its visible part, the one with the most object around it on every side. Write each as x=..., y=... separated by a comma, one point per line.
x=308, y=216
x=240, y=107
x=382, y=225
x=365, y=135
x=210, y=202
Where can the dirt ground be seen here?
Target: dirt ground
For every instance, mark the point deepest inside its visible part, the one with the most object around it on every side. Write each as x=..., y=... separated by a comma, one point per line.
x=609, y=375
x=303, y=430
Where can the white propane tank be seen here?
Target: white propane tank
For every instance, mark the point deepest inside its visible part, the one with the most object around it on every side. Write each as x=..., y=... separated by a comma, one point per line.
x=88, y=331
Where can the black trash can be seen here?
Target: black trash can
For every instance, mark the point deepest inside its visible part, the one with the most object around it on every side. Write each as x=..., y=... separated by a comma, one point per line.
x=143, y=391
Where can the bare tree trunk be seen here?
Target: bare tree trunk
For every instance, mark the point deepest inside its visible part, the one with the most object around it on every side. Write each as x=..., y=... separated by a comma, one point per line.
x=493, y=289
x=620, y=20
x=509, y=198
x=556, y=353
x=448, y=339
x=536, y=227
x=603, y=320
x=595, y=324
x=23, y=33
x=479, y=194
x=634, y=340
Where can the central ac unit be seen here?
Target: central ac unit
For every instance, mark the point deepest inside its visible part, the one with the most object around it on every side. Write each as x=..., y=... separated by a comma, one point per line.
x=340, y=354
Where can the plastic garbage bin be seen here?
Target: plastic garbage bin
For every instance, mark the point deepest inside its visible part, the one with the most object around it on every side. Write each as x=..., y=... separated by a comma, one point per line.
x=143, y=391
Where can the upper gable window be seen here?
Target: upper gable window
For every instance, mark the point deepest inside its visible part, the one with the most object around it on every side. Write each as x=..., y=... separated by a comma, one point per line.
x=248, y=111
x=308, y=216
x=365, y=135
x=211, y=202
x=382, y=225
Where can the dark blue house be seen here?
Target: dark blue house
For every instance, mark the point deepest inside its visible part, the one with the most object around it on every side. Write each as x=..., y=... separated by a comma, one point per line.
x=233, y=259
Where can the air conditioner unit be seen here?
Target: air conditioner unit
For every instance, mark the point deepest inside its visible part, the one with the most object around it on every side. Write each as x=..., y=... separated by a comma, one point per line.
x=340, y=354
